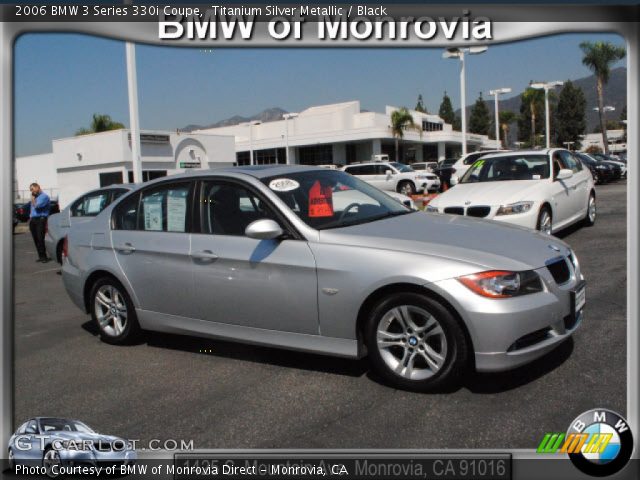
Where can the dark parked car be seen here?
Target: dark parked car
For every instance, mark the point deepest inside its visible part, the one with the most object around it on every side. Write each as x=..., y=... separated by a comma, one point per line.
x=619, y=169
x=602, y=173
x=21, y=211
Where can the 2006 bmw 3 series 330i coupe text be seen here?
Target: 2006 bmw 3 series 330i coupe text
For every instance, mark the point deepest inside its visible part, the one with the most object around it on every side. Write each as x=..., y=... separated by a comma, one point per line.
x=316, y=260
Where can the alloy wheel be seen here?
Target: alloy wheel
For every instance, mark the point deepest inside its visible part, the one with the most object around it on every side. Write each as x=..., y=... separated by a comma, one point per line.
x=51, y=459
x=545, y=222
x=592, y=209
x=111, y=310
x=411, y=342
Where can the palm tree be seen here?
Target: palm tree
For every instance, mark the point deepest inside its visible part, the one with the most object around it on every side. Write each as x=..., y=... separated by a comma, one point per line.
x=507, y=117
x=599, y=56
x=100, y=123
x=401, y=120
x=534, y=98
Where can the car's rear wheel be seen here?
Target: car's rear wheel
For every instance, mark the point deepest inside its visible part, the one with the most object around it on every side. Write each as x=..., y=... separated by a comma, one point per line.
x=590, y=218
x=113, y=312
x=50, y=460
x=415, y=343
x=12, y=460
x=59, y=251
x=545, y=221
x=407, y=188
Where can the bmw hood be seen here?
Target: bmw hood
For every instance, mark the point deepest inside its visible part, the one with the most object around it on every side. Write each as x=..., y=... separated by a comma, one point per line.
x=488, y=193
x=484, y=243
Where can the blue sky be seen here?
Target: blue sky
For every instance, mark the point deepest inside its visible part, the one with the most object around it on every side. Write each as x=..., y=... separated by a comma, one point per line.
x=62, y=79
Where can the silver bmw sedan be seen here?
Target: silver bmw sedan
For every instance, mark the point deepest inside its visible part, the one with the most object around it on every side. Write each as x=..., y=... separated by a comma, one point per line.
x=316, y=260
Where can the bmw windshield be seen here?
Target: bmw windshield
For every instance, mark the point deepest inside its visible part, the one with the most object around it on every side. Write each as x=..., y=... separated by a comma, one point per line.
x=326, y=199
x=513, y=167
x=63, y=425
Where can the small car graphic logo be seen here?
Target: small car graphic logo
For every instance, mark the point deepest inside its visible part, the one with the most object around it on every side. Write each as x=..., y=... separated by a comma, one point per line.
x=554, y=248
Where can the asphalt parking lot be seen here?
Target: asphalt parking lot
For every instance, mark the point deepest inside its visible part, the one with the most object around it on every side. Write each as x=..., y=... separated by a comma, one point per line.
x=227, y=395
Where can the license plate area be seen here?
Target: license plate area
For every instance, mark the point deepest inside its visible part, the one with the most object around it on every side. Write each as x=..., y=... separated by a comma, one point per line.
x=578, y=299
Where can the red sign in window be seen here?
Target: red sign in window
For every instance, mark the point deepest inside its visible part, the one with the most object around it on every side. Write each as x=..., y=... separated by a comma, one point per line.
x=320, y=201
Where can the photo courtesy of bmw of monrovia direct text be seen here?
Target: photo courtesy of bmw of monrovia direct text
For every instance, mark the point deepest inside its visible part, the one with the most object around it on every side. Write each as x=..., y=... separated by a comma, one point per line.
x=288, y=240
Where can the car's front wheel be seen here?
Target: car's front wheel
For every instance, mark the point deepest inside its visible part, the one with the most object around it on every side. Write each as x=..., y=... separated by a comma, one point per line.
x=113, y=312
x=12, y=460
x=50, y=460
x=545, y=221
x=415, y=343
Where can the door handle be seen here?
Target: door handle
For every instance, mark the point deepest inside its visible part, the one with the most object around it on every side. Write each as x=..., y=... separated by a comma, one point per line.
x=126, y=248
x=204, y=255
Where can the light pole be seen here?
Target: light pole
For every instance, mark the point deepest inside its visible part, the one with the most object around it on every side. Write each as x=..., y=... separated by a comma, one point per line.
x=459, y=53
x=496, y=93
x=250, y=125
x=546, y=86
x=286, y=117
x=132, y=85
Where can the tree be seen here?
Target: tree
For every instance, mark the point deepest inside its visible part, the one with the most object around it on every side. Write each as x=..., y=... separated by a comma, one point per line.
x=401, y=120
x=506, y=118
x=570, y=122
x=599, y=56
x=420, y=105
x=446, y=111
x=480, y=118
x=457, y=123
x=532, y=102
x=100, y=123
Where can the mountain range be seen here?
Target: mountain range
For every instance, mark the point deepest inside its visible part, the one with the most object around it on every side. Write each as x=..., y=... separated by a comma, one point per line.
x=615, y=95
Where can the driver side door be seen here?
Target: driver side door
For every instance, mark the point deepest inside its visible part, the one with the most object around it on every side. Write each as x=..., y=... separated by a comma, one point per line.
x=266, y=284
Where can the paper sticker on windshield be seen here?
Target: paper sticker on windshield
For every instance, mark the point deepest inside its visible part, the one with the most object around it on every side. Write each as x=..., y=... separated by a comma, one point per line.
x=283, y=185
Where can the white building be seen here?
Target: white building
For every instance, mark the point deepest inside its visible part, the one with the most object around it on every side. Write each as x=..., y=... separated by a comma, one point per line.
x=342, y=133
x=616, y=139
x=81, y=163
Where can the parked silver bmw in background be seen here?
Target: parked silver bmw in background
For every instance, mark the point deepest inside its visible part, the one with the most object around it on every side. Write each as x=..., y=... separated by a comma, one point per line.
x=316, y=260
x=82, y=209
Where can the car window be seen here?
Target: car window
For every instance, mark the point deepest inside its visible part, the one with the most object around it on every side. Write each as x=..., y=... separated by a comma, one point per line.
x=331, y=199
x=368, y=170
x=569, y=161
x=471, y=158
x=22, y=428
x=513, y=167
x=228, y=208
x=382, y=169
x=63, y=425
x=163, y=208
x=117, y=193
x=32, y=427
x=401, y=167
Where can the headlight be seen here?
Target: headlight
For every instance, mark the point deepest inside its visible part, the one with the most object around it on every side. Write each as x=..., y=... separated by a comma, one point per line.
x=422, y=177
x=601, y=167
x=502, y=284
x=432, y=209
x=513, y=208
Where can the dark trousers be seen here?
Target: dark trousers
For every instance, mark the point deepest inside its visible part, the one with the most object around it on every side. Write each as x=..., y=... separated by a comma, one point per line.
x=37, y=225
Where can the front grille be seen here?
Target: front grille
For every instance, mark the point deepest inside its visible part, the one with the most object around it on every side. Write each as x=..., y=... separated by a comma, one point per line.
x=478, y=211
x=454, y=210
x=530, y=339
x=559, y=271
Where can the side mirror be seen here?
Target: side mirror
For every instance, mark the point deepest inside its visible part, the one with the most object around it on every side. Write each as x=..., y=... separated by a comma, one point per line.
x=564, y=174
x=454, y=180
x=388, y=172
x=264, y=229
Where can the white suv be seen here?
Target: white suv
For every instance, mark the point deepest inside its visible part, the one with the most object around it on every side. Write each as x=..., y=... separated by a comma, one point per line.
x=394, y=177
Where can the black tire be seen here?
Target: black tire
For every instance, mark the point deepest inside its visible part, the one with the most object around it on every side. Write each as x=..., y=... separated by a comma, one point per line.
x=11, y=460
x=109, y=331
x=545, y=210
x=409, y=186
x=457, y=353
x=589, y=219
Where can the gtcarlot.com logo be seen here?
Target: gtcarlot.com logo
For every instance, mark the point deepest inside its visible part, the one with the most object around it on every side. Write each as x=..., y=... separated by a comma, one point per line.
x=599, y=442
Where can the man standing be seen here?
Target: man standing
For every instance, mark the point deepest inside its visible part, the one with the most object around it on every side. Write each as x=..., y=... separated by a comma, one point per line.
x=40, y=205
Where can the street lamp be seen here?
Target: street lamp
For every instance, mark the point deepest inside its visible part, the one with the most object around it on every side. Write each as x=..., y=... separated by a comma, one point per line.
x=250, y=125
x=497, y=93
x=546, y=86
x=459, y=53
x=605, y=109
x=286, y=117
x=568, y=145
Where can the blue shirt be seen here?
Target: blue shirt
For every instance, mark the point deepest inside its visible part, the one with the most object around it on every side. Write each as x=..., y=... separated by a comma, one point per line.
x=41, y=207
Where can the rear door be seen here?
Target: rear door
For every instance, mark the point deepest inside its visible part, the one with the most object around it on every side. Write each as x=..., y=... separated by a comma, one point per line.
x=151, y=240
x=577, y=186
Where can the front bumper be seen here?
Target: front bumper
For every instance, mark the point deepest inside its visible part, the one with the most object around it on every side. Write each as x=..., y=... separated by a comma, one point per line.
x=508, y=333
x=50, y=246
